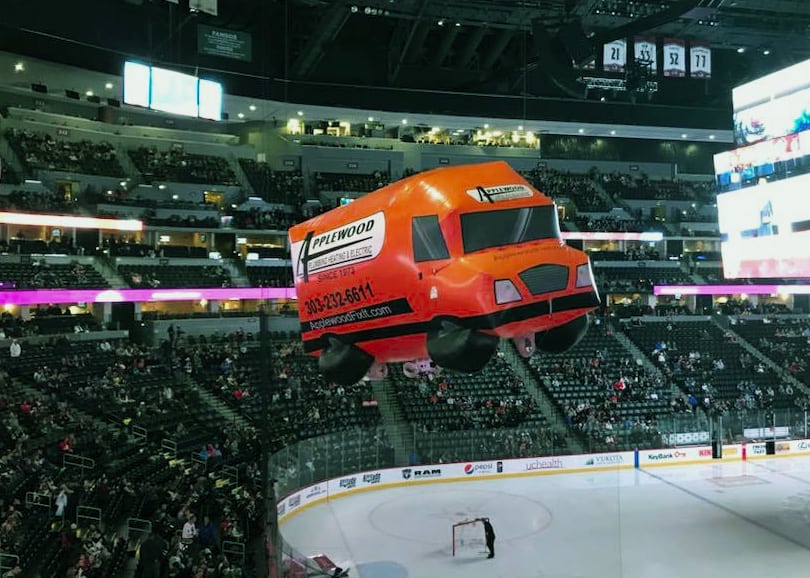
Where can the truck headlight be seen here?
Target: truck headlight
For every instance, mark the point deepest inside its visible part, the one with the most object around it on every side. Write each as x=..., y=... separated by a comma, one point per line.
x=506, y=292
x=584, y=275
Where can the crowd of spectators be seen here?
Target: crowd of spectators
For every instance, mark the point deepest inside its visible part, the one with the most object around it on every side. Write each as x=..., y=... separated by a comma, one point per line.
x=40, y=274
x=42, y=151
x=610, y=224
x=302, y=402
x=580, y=188
x=264, y=219
x=350, y=182
x=283, y=187
x=35, y=201
x=500, y=443
x=627, y=186
x=46, y=320
x=633, y=252
x=638, y=279
x=139, y=276
x=176, y=165
x=600, y=418
x=192, y=505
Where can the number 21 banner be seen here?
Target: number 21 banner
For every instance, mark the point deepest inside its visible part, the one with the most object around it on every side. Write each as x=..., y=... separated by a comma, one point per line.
x=674, y=57
x=701, y=60
x=615, y=56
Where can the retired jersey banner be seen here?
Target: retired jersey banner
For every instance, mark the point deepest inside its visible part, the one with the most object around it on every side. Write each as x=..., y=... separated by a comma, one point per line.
x=615, y=56
x=646, y=53
x=701, y=60
x=674, y=57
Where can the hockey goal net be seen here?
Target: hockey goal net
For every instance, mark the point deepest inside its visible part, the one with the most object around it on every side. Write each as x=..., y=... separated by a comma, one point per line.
x=468, y=538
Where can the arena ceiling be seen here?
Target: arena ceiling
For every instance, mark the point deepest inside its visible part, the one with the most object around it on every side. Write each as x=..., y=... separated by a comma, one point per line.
x=320, y=49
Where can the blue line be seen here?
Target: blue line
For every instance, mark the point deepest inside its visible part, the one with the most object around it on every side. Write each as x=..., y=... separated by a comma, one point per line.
x=728, y=510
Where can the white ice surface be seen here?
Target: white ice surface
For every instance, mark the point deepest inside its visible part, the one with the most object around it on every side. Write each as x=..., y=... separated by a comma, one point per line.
x=720, y=520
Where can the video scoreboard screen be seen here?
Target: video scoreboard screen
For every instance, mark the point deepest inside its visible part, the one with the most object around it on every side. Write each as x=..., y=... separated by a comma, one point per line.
x=170, y=91
x=772, y=106
x=762, y=201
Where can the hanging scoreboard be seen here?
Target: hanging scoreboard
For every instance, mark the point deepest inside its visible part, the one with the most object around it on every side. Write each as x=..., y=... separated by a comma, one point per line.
x=700, y=60
x=674, y=57
x=615, y=56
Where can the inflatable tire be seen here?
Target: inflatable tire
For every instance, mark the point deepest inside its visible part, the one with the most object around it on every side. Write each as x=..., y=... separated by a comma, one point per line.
x=460, y=349
x=561, y=339
x=343, y=363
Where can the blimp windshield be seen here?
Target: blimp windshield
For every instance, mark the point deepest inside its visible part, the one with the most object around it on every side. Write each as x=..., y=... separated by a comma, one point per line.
x=488, y=229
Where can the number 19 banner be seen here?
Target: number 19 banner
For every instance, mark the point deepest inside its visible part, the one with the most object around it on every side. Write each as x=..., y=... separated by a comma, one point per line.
x=674, y=57
x=700, y=60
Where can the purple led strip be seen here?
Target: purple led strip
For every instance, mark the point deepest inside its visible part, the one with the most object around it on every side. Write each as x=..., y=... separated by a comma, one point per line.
x=731, y=289
x=46, y=296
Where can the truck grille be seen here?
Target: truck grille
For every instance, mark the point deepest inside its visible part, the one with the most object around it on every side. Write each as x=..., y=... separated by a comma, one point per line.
x=545, y=278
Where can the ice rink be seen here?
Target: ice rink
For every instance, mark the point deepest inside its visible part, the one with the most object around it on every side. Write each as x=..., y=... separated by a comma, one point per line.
x=720, y=520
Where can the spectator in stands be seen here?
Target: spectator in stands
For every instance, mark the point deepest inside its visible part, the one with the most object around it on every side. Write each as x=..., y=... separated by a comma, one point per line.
x=208, y=535
x=190, y=527
x=61, y=502
x=151, y=554
x=15, y=349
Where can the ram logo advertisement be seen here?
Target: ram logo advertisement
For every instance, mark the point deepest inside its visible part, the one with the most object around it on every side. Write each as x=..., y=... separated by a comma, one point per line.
x=353, y=243
x=421, y=474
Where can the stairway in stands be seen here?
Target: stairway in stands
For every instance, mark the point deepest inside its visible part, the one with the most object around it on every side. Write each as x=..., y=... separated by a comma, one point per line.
x=214, y=403
x=544, y=403
x=106, y=266
x=399, y=432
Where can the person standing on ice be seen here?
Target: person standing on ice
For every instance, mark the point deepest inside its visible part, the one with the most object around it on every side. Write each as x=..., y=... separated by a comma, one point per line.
x=489, y=535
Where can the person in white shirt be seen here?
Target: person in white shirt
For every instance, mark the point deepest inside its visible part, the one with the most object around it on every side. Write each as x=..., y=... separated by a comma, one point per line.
x=189, y=530
x=61, y=502
x=15, y=349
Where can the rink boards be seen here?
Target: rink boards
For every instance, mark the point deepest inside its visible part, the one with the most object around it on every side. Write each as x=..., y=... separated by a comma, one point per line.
x=347, y=485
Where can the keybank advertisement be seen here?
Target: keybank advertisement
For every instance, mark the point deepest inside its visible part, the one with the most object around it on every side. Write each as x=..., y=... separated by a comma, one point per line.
x=674, y=455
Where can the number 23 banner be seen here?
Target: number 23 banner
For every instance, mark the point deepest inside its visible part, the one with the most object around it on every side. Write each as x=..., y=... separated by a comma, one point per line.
x=674, y=57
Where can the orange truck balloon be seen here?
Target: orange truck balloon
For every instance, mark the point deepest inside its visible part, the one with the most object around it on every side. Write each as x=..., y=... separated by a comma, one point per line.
x=436, y=269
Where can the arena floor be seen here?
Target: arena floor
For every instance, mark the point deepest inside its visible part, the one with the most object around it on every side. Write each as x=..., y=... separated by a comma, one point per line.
x=720, y=520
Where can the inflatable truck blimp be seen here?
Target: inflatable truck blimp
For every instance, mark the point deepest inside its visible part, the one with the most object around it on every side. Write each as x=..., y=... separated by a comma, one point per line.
x=433, y=270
